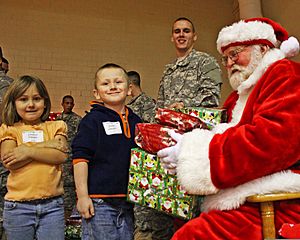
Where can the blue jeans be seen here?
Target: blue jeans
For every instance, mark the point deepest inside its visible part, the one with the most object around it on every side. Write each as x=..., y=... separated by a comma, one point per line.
x=38, y=219
x=113, y=220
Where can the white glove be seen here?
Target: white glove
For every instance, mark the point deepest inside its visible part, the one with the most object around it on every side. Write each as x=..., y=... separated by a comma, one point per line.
x=169, y=156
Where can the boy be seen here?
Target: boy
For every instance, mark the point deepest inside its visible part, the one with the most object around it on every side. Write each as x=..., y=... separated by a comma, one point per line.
x=101, y=156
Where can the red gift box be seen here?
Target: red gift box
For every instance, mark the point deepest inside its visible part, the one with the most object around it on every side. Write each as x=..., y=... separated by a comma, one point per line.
x=182, y=121
x=153, y=137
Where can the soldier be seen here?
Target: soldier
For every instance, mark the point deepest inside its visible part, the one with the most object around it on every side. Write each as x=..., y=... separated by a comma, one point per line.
x=5, y=65
x=141, y=104
x=72, y=120
x=193, y=79
x=144, y=107
x=5, y=81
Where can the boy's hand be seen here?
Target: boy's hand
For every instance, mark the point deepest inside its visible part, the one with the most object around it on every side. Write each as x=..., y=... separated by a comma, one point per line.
x=85, y=207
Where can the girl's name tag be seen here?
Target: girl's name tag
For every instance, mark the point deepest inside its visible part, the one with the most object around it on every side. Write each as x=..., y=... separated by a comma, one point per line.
x=112, y=128
x=33, y=136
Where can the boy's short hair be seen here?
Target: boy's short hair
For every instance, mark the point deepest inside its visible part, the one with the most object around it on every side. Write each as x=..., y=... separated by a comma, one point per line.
x=109, y=65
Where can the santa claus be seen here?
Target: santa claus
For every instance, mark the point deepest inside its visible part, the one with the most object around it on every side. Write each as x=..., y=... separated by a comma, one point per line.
x=258, y=150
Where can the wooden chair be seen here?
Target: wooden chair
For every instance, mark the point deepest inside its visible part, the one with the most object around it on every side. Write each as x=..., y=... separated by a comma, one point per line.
x=267, y=209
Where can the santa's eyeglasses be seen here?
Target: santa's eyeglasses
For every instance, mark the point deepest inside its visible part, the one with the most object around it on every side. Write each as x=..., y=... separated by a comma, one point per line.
x=232, y=55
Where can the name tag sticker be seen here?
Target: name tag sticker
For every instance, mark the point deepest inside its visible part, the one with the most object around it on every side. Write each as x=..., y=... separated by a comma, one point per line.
x=112, y=128
x=33, y=136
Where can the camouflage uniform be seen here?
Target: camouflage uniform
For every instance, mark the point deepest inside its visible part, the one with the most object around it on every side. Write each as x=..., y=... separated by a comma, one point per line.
x=5, y=81
x=3, y=179
x=72, y=120
x=195, y=81
x=143, y=106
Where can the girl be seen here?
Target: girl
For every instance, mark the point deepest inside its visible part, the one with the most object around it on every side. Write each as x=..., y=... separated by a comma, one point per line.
x=32, y=149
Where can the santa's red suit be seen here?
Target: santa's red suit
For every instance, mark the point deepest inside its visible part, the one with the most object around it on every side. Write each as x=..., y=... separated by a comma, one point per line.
x=257, y=151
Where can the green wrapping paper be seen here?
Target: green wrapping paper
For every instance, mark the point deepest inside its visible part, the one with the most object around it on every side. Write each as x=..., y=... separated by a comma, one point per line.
x=150, y=185
x=211, y=116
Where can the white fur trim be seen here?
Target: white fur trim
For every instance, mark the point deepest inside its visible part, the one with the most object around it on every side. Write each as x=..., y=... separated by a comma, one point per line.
x=269, y=58
x=245, y=31
x=236, y=115
x=290, y=47
x=232, y=198
x=193, y=166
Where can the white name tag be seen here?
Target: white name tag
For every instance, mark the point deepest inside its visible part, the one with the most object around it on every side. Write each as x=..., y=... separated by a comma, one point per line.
x=112, y=128
x=33, y=136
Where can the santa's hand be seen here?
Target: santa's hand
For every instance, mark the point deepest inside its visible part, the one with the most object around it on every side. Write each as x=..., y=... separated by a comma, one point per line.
x=169, y=156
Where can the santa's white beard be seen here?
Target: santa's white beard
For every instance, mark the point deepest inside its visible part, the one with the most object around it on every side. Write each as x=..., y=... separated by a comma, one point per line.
x=243, y=73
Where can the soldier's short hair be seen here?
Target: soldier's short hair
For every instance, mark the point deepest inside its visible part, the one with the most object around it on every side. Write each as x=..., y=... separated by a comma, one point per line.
x=184, y=19
x=67, y=96
x=134, y=78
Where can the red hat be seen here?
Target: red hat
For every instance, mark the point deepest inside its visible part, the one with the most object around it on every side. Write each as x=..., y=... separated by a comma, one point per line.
x=257, y=31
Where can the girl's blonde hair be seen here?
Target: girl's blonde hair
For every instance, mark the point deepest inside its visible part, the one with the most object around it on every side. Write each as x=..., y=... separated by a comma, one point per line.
x=15, y=90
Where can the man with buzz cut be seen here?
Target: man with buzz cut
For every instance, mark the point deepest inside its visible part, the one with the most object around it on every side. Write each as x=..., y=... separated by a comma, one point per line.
x=141, y=104
x=193, y=79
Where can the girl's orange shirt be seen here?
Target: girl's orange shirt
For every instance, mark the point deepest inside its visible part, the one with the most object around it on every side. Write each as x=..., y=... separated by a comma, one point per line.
x=35, y=180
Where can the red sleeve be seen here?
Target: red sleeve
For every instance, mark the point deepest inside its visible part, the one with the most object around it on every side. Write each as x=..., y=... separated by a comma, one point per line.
x=266, y=140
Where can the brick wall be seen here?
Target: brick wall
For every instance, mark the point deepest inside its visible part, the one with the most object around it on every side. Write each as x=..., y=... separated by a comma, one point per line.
x=64, y=42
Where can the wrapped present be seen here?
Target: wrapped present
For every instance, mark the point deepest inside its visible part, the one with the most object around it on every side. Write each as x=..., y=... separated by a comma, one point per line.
x=153, y=137
x=211, y=116
x=182, y=121
x=150, y=185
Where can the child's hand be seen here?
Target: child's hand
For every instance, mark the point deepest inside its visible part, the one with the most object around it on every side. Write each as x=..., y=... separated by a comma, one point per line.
x=54, y=143
x=16, y=155
x=85, y=207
